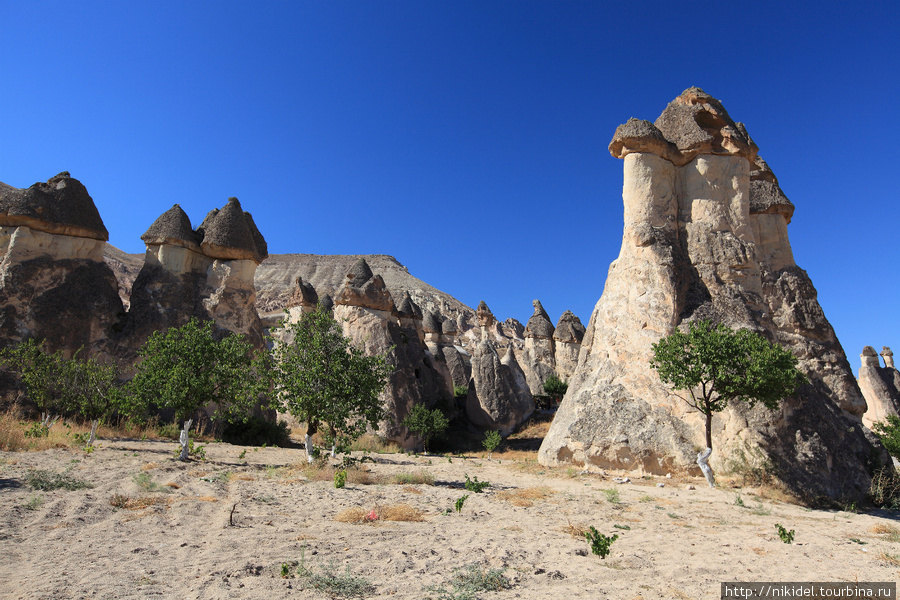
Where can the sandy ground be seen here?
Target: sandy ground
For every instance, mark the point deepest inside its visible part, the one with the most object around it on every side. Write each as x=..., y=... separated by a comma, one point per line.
x=674, y=542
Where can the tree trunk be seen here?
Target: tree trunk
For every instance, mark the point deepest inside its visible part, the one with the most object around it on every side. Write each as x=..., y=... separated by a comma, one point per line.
x=94, y=424
x=310, y=449
x=702, y=457
x=184, y=439
x=48, y=419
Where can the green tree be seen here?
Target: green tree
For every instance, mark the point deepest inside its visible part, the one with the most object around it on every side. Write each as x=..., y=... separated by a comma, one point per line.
x=94, y=390
x=716, y=365
x=888, y=431
x=555, y=388
x=318, y=376
x=425, y=423
x=44, y=377
x=186, y=368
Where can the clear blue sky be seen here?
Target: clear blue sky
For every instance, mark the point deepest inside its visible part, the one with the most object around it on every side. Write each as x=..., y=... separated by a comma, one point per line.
x=467, y=139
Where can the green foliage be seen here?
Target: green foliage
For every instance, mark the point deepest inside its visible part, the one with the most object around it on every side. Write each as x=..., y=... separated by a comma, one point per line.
x=146, y=483
x=257, y=431
x=599, y=543
x=492, y=440
x=473, y=485
x=37, y=430
x=458, y=505
x=612, y=495
x=468, y=581
x=623, y=527
x=555, y=387
x=426, y=423
x=186, y=368
x=40, y=479
x=460, y=391
x=786, y=536
x=889, y=433
x=197, y=451
x=328, y=579
x=287, y=570
x=41, y=373
x=716, y=365
x=340, y=479
x=323, y=380
x=34, y=503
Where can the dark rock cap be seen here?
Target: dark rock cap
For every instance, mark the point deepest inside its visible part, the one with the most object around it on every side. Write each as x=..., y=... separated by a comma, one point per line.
x=430, y=323
x=539, y=325
x=484, y=315
x=303, y=295
x=569, y=329
x=408, y=309
x=359, y=273
x=172, y=227
x=886, y=351
x=326, y=302
x=637, y=135
x=230, y=233
x=362, y=288
x=869, y=351
x=766, y=196
x=448, y=327
x=60, y=206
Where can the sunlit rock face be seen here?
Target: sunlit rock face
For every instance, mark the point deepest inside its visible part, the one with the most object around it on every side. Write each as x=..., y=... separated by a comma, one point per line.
x=880, y=385
x=567, y=344
x=54, y=283
x=705, y=237
x=206, y=273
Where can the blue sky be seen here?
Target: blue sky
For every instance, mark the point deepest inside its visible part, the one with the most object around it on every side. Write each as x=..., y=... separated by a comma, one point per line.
x=467, y=139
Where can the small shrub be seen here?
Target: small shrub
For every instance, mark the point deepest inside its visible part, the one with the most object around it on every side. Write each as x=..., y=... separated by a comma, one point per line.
x=144, y=481
x=623, y=527
x=612, y=495
x=888, y=432
x=473, y=485
x=421, y=476
x=786, y=536
x=468, y=581
x=555, y=387
x=738, y=501
x=34, y=503
x=340, y=479
x=600, y=543
x=460, y=391
x=47, y=480
x=37, y=430
x=491, y=441
x=885, y=489
x=458, y=506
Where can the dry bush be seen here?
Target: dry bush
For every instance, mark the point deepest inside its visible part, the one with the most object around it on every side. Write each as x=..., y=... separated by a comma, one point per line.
x=420, y=477
x=370, y=442
x=242, y=477
x=319, y=471
x=576, y=530
x=891, y=559
x=525, y=497
x=149, y=466
x=412, y=490
x=882, y=528
x=129, y=503
x=391, y=512
x=12, y=434
x=532, y=429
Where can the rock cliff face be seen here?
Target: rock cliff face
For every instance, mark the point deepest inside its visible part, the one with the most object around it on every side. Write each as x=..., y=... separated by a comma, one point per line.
x=880, y=385
x=497, y=399
x=539, y=356
x=54, y=284
x=705, y=237
x=369, y=317
x=207, y=273
x=567, y=344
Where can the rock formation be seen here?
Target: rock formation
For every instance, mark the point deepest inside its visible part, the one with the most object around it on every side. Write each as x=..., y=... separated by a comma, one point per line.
x=207, y=273
x=539, y=355
x=495, y=400
x=567, y=344
x=880, y=386
x=705, y=237
x=54, y=283
x=366, y=311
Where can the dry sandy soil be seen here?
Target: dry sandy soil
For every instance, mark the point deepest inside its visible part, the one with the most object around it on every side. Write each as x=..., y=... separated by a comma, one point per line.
x=223, y=527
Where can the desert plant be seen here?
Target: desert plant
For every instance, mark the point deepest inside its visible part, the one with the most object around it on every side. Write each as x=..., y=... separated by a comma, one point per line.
x=324, y=381
x=425, y=423
x=460, y=391
x=473, y=485
x=46, y=481
x=716, y=365
x=888, y=431
x=599, y=543
x=340, y=479
x=466, y=582
x=146, y=483
x=328, y=579
x=885, y=488
x=458, y=505
x=786, y=536
x=491, y=441
x=612, y=495
x=186, y=368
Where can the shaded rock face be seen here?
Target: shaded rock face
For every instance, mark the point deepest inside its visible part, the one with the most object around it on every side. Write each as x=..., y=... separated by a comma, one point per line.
x=698, y=244
x=496, y=400
x=54, y=283
x=880, y=386
x=367, y=313
x=539, y=357
x=206, y=273
x=567, y=344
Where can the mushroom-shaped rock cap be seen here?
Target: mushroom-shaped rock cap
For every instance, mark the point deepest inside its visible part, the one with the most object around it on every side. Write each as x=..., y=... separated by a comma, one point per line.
x=61, y=206
x=326, y=302
x=448, y=327
x=697, y=123
x=869, y=351
x=230, y=234
x=766, y=196
x=362, y=288
x=409, y=309
x=569, y=329
x=539, y=325
x=509, y=358
x=359, y=273
x=303, y=295
x=637, y=135
x=173, y=227
x=430, y=323
x=886, y=351
x=484, y=315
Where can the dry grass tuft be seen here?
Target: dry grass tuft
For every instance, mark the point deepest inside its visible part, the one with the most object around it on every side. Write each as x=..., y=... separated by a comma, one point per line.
x=172, y=485
x=325, y=472
x=149, y=466
x=372, y=443
x=391, y=512
x=525, y=497
x=129, y=503
x=891, y=559
x=576, y=530
x=420, y=477
x=881, y=528
x=206, y=498
x=243, y=477
x=412, y=490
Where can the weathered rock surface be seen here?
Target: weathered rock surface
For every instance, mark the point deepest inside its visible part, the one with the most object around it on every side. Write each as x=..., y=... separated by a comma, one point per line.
x=494, y=402
x=539, y=356
x=700, y=243
x=366, y=311
x=196, y=273
x=880, y=386
x=567, y=344
x=54, y=284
